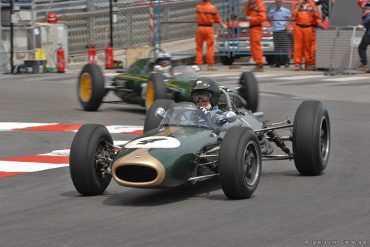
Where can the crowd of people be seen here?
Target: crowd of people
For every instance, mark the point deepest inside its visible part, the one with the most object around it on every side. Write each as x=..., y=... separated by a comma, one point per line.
x=304, y=13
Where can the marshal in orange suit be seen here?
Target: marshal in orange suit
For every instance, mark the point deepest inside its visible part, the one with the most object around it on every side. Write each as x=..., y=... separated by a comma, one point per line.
x=306, y=15
x=256, y=14
x=206, y=14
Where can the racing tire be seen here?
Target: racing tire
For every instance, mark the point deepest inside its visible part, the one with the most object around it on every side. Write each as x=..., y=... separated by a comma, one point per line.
x=240, y=163
x=151, y=121
x=311, y=138
x=156, y=89
x=90, y=87
x=84, y=166
x=227, y=60
x=249, y=90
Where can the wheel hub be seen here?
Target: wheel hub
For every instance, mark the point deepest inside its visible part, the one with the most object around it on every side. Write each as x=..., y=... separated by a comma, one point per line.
x=85, y=87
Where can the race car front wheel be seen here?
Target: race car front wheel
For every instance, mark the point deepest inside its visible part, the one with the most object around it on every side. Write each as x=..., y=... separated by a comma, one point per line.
x=156, y=89
x=90, y=87
x=90, y=159
x=249, y=90
x=311, y=138
x=240, y=163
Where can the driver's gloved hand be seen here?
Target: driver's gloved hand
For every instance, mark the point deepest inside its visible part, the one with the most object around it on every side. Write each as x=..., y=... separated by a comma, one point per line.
x=203, y=110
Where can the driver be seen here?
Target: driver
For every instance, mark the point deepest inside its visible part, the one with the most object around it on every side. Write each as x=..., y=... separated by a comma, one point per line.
x=163, y=64
x=205, y=94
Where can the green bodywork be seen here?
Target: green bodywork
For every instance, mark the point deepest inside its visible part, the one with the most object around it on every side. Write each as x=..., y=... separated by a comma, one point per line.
x=179, y=163
x=129, y=85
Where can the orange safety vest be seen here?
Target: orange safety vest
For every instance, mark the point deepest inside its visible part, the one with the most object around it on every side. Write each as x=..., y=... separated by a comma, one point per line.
x=207, y=14
x=306, y=16
x=258, y=14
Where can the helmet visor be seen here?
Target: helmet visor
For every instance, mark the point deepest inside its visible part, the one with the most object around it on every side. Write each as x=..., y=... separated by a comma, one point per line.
x=201, y=96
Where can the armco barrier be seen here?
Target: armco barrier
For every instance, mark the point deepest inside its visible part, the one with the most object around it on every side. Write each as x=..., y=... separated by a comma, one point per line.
x=338, y=48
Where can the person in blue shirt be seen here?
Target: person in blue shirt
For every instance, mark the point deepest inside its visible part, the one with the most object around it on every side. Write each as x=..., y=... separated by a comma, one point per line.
x=278, y=17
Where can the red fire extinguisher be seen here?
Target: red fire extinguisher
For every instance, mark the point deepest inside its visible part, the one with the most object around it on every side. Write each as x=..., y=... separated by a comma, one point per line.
x=52, y=18
x=109, y=57
x=91, y=54
x=60, y=60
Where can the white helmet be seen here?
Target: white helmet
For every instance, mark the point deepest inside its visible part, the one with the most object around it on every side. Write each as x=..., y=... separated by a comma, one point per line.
x=160, y=56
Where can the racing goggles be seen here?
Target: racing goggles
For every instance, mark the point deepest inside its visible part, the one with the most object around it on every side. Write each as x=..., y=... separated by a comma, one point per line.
x=203, y=96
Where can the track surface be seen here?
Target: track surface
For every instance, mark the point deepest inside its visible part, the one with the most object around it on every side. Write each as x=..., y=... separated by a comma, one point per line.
x=42, y=208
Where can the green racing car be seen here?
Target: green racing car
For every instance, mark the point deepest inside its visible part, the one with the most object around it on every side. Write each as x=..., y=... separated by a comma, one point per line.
x=145, y=81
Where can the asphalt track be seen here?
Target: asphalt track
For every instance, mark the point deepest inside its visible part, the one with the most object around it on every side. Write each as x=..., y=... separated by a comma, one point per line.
x=43, y=209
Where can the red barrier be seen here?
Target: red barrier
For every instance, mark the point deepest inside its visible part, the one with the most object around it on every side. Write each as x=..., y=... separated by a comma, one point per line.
x=60, y=60
x=109, y=57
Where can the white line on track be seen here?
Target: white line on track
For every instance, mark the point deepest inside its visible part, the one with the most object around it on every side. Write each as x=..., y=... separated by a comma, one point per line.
x=300, y=77
x=349, y=78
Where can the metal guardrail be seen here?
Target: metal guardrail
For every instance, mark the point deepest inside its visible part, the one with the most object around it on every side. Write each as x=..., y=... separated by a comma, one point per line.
x=132, y=27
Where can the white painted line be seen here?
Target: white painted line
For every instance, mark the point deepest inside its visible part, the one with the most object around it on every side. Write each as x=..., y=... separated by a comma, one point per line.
x=349, y=78
x=5, y=126
x=63, y=152
x=217, y=75
x=300, y=77
x=266, y=75
x=123, y=128
x=13, y=166
x=120, y=143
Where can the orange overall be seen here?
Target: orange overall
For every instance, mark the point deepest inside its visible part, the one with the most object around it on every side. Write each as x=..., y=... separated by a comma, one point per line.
x=257, y=16
x=206, y=14
x=306, y=21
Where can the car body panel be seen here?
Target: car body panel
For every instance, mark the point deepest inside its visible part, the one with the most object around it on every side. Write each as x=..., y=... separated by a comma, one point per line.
x=131, y=85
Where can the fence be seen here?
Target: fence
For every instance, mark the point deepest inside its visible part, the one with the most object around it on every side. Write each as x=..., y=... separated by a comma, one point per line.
x=88, y=22
x=337, y=49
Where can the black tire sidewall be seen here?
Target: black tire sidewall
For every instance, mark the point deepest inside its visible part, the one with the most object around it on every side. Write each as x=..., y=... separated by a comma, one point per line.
x=98, y=90
x=82, y=159
x=232, y=160
x=249, y=90
x=306, y=138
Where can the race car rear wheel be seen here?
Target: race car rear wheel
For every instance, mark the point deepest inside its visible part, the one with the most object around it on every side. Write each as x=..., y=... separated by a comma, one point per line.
x=90, y=159
x=90, y=87
x=240, y=163
x=156, y=89
x=151, y=121
x=311, y=138
x=249, y=90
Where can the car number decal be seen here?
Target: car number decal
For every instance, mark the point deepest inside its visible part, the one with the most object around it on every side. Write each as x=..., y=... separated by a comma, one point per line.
x=154, y=142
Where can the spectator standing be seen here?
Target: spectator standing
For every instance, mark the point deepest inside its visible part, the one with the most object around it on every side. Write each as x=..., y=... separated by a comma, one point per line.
x=306, y=14
x=256, y=14
x=365, y=41
x=206, y=15
x=279, y=16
